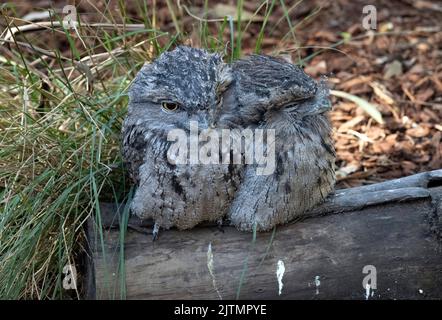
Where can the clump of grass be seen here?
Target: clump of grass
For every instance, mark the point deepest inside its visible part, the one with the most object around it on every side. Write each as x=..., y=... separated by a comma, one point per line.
x=54, y=166
x=59, y=152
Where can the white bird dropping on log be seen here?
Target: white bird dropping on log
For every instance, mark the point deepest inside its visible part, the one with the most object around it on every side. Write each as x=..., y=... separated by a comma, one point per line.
x=279, y=274
x=211, y=269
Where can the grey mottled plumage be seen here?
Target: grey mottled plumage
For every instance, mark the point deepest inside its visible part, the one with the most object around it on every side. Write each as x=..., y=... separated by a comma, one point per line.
x=254, y=92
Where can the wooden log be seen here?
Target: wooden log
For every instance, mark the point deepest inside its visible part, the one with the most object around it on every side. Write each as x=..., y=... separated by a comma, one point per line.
x=393, y=226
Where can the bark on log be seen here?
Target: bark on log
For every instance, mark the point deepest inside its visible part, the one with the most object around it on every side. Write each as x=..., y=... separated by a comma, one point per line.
x=394, y=226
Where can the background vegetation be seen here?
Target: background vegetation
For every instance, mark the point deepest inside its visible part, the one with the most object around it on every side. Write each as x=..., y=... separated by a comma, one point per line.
x=63, y=97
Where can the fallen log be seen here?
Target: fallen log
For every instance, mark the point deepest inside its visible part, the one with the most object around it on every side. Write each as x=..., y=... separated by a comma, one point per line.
x=388, y=234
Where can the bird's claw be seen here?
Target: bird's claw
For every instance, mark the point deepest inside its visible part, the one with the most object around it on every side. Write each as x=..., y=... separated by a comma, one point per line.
x=219, y=225
x=155, y=231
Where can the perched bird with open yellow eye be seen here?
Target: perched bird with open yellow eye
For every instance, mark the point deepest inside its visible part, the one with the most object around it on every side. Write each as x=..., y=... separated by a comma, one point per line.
x=189, y=84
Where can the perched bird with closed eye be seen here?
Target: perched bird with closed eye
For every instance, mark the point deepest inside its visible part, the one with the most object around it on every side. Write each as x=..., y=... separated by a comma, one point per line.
x=257, y=92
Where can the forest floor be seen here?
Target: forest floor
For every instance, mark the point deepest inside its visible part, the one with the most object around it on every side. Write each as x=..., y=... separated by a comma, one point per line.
x=63, y=95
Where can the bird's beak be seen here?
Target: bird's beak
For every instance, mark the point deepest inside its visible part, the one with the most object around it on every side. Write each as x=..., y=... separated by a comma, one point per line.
x=323, y=105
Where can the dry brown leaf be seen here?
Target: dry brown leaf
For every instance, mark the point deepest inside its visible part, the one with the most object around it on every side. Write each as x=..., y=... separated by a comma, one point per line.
x=417, y=68
x=317, y=69
x=408, y=166
x=418, y=132
x=406, y=146
x=382, y=147
x=327, y=35
x=385, y=146
x=382, y=92
x=437, y=82
x=375, y=133
x=347, y=85
x=424, y=95
x=351, y=123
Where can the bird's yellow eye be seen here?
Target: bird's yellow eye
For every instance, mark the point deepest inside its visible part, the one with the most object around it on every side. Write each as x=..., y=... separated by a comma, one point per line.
x=169, y=106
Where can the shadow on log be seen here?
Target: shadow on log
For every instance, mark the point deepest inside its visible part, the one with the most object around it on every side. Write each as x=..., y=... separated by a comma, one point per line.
x=394, y=226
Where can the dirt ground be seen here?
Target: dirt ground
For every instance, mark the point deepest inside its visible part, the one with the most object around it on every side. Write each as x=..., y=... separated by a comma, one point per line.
x=397, y=67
